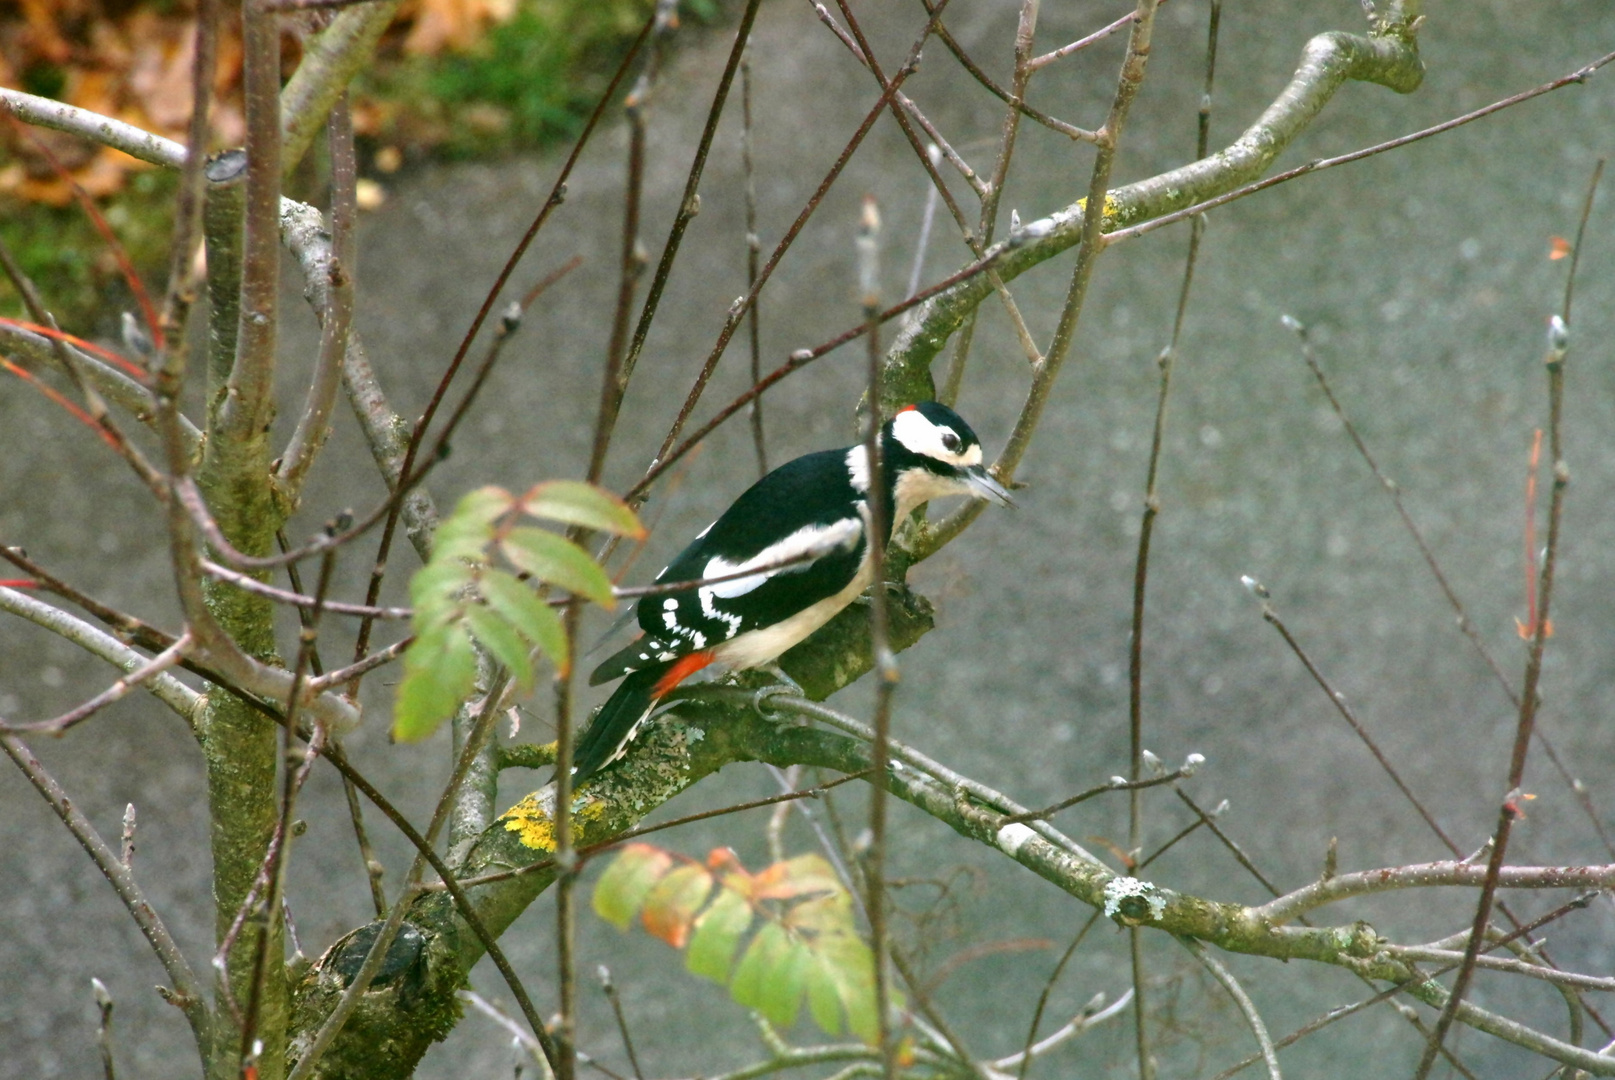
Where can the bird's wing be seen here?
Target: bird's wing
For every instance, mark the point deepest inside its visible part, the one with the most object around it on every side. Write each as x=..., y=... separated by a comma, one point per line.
x=798, y=528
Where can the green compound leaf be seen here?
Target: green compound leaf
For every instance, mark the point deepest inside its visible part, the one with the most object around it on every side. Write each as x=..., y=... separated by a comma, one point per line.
x=553, y=558
x=466, y=533
x=783, y=986
x=806, y=944
x=439, y=671
x=717, y=935
x=574, y=502
x=758, y=965
x=627, y=881
x=435, y=589
x=533, y=619
x=496, y=634
x=849, y=966
x=824, y=995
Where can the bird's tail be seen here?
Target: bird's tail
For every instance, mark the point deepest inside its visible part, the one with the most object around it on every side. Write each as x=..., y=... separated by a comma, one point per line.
x=617, y=722
x=620, y=718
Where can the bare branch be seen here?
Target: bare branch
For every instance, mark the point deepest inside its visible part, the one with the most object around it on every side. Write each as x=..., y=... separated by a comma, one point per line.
x=187, y=992
x=330, y=61
x=116, y=692
x=103, y=130
x=1220, y=972
x=1425, y=875
x=314, y=425
x=1078, y=1025
x=167, y=689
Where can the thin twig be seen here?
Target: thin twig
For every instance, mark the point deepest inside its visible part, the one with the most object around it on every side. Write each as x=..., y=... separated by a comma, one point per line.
x=1344, y=1011
x=167, y=689
x=753, y=253
x=1115, y=783
x=1580, y=75
x=314, y=423
x=689, y=206
x=1096, y=1012
x=631, y=263
x=158, y=664
x=248, y=401
x=187, y=992
x=609, y=988
x=71, y=362
x=248, y=583
x=346, y=675
x=802, y=357
x=878, y=516
x=188, y=200
x=1508, y=811
x=103, y=1027
x=566, y=861
x=1338, y=700
x=1003, y=95
x=949, y=1039
x=1220, y=972
x=737, y=311
x=1048, y=989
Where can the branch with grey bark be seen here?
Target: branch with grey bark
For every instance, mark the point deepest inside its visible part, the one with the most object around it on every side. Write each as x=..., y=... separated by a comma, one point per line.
x=1328, y=62
x=711, y=727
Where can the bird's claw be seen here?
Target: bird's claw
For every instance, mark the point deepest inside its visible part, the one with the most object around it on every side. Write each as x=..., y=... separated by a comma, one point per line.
x=759, y=697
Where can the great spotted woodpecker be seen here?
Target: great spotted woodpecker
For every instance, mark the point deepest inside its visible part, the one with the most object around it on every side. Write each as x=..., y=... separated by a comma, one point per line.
x=803, y=529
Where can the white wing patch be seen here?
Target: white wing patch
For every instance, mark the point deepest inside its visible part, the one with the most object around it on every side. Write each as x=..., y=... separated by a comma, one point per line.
x=858, y=467
x=713, y=613
x=808, y=543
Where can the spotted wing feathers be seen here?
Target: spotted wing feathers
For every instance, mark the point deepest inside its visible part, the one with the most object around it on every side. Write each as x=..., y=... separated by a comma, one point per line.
x=798, y=534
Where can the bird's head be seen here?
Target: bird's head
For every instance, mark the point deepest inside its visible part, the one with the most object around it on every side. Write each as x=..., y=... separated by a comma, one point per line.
x=931, y=453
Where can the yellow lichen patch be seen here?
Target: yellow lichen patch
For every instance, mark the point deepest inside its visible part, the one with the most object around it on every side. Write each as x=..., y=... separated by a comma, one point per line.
x=536, y=830
x=591, y=813
x=1112, y=208
x=531, y=825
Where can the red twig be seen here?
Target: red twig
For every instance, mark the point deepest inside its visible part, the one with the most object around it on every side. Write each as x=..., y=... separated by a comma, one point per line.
x=126, y=268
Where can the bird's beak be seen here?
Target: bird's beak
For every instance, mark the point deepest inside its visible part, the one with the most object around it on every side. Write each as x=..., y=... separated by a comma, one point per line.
x=983, y=486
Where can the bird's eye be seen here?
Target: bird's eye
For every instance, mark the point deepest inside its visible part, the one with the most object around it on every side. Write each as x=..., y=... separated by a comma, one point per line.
x=950, y=442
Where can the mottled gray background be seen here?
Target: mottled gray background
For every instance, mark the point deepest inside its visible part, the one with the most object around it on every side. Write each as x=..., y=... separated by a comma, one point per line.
x=1425, y=279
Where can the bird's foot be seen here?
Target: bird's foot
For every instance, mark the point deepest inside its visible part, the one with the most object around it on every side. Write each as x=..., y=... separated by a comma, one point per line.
x=761, y=696
x=789, y=685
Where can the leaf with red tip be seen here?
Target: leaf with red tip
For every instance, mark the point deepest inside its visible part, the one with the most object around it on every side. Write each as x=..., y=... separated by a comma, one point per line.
x=671, y=906
x=625, y=884
x=573, y=502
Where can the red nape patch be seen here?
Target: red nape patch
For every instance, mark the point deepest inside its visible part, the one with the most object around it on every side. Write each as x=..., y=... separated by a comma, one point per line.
x=908, y=408
x=682, y=669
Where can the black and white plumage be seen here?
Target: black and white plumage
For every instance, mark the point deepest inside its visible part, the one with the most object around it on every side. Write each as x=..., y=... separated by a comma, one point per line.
x=803, y=529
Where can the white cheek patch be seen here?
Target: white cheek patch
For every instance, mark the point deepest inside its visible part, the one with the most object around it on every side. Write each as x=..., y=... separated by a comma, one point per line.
x=914, y=431
x=809, y=543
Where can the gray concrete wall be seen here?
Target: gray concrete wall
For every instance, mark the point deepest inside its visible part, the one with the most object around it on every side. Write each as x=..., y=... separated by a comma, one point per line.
x=1425, y=278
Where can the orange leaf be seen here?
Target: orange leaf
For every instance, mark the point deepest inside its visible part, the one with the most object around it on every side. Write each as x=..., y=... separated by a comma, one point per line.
x=671, y=906
x=1558, y=248
x=796, y=877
